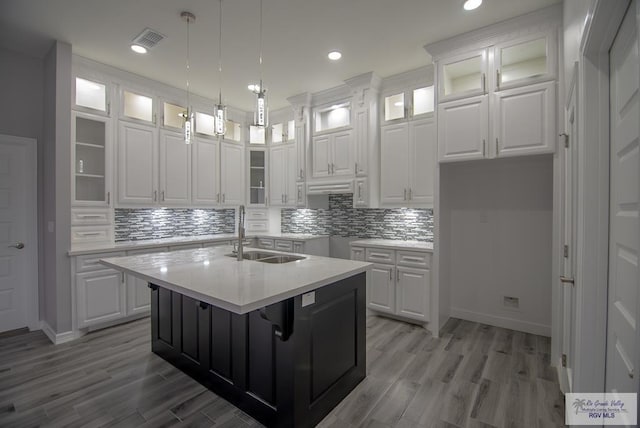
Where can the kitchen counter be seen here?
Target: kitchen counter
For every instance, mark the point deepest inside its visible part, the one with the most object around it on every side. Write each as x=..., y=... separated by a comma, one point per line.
x=394, y=244
x=184, y=240
x=207, y=275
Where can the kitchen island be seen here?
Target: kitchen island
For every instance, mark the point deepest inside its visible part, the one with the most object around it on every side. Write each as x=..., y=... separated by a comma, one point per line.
x=285, y=342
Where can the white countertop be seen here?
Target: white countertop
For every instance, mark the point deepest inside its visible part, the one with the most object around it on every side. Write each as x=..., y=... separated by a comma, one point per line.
x=394, y=244
x=183, y=240
x=208, y=275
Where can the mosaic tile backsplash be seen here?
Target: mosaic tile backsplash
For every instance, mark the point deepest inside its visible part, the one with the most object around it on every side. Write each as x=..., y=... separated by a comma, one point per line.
x=342, y=219
x=152, y=223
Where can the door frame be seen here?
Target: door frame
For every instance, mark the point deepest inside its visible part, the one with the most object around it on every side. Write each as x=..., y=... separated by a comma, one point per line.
x=31, y=216
x=592, y=272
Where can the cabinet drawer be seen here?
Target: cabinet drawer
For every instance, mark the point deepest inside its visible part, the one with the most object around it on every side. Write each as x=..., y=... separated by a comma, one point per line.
x=265, y=243
x=91, y=234
x=357, y=253
x=257, y=226
x=89, y=262
x=413, y=259
x=257, y=215
x=380, y=255
x=283, y=245
x=90, y=216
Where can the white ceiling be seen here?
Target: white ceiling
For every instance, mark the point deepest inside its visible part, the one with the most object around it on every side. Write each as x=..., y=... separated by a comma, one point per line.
x=384, y=36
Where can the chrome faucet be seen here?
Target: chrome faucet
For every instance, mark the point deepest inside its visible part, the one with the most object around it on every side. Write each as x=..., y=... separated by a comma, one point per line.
x=240, y=232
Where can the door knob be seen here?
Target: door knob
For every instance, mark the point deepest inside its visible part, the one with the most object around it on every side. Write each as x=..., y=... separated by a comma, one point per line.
x=565, y=280
x=18, y=245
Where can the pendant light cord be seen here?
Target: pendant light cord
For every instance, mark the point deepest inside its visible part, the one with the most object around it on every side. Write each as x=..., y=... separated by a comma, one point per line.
x=220, y=55
x=260, y=45
x=188, y=69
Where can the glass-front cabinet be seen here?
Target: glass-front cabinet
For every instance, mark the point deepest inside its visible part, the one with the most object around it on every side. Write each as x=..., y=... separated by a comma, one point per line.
x=332, y=118
x=137, y=107
x=91, y=154
x=91, y=96
x=463, y=76
x=257, y=176
x=283, y=132
x=408, y=104
x=173, y=115
x=525, y=61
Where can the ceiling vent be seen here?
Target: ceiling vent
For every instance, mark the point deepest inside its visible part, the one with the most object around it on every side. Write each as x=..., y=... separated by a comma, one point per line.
x=148, y=38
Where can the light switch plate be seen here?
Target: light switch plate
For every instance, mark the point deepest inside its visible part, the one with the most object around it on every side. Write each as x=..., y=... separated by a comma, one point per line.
x=308, y=299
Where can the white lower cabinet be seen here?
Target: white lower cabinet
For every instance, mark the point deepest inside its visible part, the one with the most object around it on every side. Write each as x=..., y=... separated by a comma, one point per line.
x=101, y=297
x=400, y=282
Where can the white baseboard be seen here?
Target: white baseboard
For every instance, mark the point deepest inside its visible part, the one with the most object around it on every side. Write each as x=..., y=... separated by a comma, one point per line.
x=510, y=323
x=58, y=338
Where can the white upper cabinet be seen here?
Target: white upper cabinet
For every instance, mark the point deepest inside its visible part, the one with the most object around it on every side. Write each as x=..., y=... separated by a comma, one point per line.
x=234, y=131
x=463, y=129
x=524, y=61
x=138, y=107
x=414, y=102
x=175, y=169
x=462, y=76
x=137, y=164
x=333, y=155
x=204, y=172
x=282, y=173
x=173, y=115
x=91, y=159
x=283, y=132
x=91, y=95
x=257, y=176
x=231, y=174
x=205, y=124
x=257, y=135
x=333, y=117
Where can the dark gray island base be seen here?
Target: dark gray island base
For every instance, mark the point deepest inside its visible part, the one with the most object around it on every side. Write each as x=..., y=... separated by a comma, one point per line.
x=286, y=365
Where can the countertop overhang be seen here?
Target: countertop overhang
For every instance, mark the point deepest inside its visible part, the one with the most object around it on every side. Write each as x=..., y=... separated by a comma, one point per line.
x=208, y=275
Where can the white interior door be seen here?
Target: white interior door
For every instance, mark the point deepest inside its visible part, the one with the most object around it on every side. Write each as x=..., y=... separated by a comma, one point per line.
x=18, y=259
x=624, y=239
x=569, y=241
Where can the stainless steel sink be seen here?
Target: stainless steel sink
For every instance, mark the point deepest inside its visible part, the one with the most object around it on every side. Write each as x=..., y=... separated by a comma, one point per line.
x=273, y=258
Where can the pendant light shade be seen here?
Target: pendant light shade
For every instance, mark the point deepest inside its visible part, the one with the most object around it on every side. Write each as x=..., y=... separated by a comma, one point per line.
x=220, y=110
x=260, y=116
x=189, y=18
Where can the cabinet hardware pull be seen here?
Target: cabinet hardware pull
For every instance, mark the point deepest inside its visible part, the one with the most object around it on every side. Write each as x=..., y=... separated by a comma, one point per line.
x=391, y=274
x=223, y=198
x=405, y=195
x=155, y=195
x=87, y=234
x=410, y=197
x=497, y=79
x=359, y=190
x=328, y=169
x=497, y=149
x=108, y=198
x=333, y=169
x=631, y=374
x=163, y=196
x=203, y=305
x=565, y=280
x=122, y=276
x=398, y=275
x=412, y=259
x=301, y=173
x=108, y=109
x=154, y=118
x=90, y=216
x=484, y=83
x=484, y=143
x=356, y=167
x=152, y=286
x=218, y=197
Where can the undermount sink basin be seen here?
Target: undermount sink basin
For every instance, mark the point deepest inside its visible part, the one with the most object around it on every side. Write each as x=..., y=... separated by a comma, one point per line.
x=259, y=256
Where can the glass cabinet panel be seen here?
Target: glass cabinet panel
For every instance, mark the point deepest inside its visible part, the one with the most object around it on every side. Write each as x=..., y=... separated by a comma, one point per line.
x=256, y=135
x=463, y=76
x=89, y=169
x=277, y=133
x=138, y=106
x=337, y=116
x=173, y=115
x=291, y=130
x=524, y=60
x=394, y=107
x=233, y=131
x=91, y=94
x=423, y=100
x=257, y=176
x=205, y=124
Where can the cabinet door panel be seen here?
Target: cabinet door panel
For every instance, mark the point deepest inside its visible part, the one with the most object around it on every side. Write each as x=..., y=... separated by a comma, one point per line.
x=301, y=160
x=381, y=291
x=175, y=177
x=232, y=174
x=394, y=162
x=101, y=297
x=524, y=120
x=137, y=164
x=463, y=129
x=422, y=161
x=342, y=154
x=320, y=156
x=290, y=176
x=277, y=176
x=362, y=142
x=413, y=290
x=205, y=172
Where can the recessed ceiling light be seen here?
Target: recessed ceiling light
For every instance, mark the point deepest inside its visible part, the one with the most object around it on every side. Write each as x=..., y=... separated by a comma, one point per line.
x=139, y=49
x=334, y=55
x=472, y=4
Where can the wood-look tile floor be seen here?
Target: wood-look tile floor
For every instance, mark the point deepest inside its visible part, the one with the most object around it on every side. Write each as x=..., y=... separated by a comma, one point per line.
x=473, y=376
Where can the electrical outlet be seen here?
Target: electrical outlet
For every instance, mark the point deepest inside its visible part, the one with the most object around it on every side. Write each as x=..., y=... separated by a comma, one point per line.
x=511, y=302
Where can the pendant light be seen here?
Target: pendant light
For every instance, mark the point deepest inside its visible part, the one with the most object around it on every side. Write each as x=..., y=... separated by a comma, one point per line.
x=220, y=110
x=261, y=112
x=189, y=18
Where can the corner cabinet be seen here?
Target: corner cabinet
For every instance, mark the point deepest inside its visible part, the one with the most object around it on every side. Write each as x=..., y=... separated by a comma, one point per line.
x=499, y=101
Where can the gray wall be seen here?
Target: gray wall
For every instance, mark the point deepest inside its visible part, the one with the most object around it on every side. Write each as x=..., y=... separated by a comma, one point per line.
x=57, y=178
